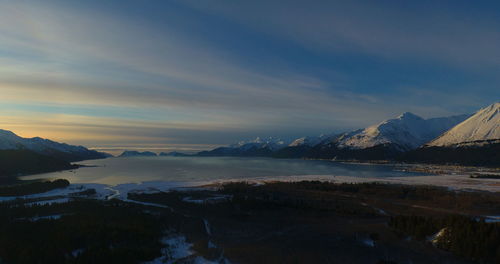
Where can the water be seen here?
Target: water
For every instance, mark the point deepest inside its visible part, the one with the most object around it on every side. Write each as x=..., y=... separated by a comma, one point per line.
x=115, y=171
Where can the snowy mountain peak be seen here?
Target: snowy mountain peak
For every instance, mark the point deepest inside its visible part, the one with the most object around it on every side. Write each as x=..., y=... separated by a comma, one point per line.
x=269, y=142
x=259, y=140
x=407, y=131
x=409, y=116
x=310, y=140
x=484, y=125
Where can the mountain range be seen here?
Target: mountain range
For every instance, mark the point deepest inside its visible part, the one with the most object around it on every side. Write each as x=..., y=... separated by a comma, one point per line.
x=483, y=126
x=256, y=147
x=133, y=153
x=407, y=137
x=475, y=141
x=20, y=155
x=462, y=139
x=70, y=153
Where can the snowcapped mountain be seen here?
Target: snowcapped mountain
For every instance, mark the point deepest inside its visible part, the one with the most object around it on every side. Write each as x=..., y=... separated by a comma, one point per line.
x=388, y=140
x=383, y=141
x=310, y=140
x=270, y=142
x=407, y=131
x=11, y=141
x=484, y=125
x=255, y=147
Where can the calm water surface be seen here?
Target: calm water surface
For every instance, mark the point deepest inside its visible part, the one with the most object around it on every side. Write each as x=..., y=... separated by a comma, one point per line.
x=200, y=169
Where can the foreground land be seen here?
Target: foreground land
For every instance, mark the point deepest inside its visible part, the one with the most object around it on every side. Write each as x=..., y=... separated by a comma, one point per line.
x=275, y=222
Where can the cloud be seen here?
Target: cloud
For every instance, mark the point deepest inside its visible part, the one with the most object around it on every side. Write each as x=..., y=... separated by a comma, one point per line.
x=167, y=69
x=450, y=33
x=87, y=75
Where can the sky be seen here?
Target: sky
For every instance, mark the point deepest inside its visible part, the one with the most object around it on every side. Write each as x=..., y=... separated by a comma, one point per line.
x=190, y=75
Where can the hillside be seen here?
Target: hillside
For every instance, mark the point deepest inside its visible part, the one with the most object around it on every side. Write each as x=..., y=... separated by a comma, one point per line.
x=407, y=131
x=70, y=153
x=484, y=125
x=258, y=147
x=462, y=139
x=475, y=141
x=21, y=162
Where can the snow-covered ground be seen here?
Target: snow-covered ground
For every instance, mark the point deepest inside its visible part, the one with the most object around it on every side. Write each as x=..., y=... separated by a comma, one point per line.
x=456, y=181
x=178, y=249
x=46, y=217
x=48, y=202
x=492, y=219
x=452, y=181
x=207, y=200
x=434, y=239
x=101, y=191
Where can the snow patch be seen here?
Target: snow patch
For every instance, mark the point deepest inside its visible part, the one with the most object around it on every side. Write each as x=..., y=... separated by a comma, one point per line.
x=71, y=190
x=48, y=202
x=436, y=238
x=208, y=200
x=46, y=217
x=492, y=219
x=368, y=242
x=310, y=141
x=178, y=249
x=271, y=143
x=75, y=253
x=211, y=244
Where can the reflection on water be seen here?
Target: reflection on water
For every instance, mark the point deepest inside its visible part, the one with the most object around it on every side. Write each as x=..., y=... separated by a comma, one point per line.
x=194, y=169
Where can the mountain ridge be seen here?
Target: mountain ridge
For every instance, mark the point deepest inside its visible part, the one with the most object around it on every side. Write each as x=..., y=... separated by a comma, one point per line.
x=11, y=141
x=484, y=125
x=407, y=131
x=403, y=133
x=403, y=138
x=134, y=153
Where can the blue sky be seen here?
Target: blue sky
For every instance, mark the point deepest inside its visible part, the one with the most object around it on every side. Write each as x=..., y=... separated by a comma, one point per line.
x=191, y=75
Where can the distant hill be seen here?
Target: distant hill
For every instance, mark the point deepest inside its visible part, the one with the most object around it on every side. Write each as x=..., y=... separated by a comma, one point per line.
x=22, y=156
x=70, y=153
x=254, y=148
x=173, y=154
x=133, y=153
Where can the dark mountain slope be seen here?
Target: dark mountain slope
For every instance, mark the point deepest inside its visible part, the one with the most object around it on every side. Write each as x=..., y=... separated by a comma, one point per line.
x=21, y=162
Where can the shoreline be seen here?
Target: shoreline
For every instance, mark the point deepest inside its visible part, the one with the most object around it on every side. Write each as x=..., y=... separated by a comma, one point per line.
x=459, y=182
x=120, y=191
x=455, y=182
x=449, y=176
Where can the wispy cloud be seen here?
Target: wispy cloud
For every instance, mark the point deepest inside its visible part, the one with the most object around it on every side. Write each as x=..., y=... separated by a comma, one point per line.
x=452, y=33
x=85, y=74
